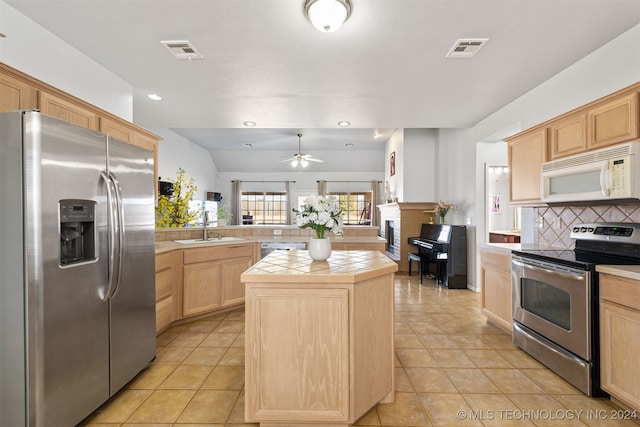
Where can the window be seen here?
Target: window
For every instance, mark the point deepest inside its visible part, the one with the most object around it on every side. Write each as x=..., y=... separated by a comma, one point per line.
x=356, y=207
x=264, y=207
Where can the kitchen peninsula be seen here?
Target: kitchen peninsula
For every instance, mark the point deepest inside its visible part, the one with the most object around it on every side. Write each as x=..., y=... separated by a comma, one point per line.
x=315, y=331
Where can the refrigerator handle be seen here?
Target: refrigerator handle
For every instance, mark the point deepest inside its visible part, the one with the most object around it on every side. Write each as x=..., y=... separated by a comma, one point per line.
x=112, y=226
x=120, y=235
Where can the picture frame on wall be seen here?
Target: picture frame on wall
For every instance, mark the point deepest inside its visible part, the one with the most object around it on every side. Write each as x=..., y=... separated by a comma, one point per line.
x=392, y=164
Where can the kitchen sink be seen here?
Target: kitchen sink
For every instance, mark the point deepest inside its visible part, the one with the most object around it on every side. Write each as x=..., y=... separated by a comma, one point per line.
x=210, y=240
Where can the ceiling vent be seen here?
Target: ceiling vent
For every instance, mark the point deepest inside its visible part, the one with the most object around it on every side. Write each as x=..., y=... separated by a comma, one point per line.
x=466, y=48
x=182, y=49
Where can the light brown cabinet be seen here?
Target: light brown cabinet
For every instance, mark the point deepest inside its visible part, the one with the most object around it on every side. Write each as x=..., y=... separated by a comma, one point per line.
x=620, y=338
x=211, y=277
x=319, y=346
x=614, y=121
x=495, y=270
x=568, y=135
x=62, y=109
x=527, y=152
x=19, y=91
x=16, y=94
x=166, y=284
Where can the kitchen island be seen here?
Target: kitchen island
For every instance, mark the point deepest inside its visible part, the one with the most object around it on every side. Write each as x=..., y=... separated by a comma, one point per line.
x=318, y=337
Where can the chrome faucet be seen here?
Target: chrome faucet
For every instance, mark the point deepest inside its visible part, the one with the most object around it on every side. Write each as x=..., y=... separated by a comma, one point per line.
x=204, y=228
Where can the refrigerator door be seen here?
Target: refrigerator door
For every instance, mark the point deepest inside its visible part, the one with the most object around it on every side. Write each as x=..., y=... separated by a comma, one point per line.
x=132, y=309
x=67, y=316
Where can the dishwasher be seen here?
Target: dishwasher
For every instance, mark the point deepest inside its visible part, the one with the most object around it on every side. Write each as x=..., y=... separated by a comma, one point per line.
x=267, y=247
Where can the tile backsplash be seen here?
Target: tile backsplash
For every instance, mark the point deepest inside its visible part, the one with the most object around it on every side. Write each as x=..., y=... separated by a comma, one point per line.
x=549, y=235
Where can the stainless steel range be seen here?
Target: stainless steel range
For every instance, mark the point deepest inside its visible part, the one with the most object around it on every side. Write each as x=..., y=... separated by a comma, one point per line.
x=555, y=299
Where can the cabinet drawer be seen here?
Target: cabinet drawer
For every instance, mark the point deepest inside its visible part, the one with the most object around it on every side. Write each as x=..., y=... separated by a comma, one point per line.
x=164, y=261
x=164, y=283
x=620, y=290
x=164, y=313
x=496, y=260
x=216, y=252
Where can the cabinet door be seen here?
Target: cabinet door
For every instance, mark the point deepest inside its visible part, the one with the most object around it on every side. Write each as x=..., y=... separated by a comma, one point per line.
x=166, y=278
x=613, y=122
x=496, y=288
x=232, y=288
x=620, y=352
x=16, y=95
x=527, y=152
x=201, y=288
x=116, y=130
x=53, y=106
x=568, y=136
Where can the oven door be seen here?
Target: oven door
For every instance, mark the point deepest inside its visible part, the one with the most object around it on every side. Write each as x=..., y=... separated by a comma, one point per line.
x=554, y=301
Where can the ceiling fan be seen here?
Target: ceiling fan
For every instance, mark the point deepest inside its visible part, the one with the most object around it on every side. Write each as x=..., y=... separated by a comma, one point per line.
x=300, y=159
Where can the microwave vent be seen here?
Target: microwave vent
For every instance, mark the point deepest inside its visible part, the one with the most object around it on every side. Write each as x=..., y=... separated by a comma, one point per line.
x=593, y=156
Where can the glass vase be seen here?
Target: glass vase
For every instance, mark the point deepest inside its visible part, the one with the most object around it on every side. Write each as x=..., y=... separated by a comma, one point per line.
x=442, y=218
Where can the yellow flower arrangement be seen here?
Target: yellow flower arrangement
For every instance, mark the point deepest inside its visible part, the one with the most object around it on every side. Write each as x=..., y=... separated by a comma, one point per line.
x=173, y=211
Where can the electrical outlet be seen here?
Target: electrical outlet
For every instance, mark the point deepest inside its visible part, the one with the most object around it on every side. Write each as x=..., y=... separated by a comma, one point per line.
x=539, y=221
x=557, y=223
x=277, y=232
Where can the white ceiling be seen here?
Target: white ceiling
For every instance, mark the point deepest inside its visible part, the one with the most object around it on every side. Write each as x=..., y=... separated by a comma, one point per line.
x=384, y=69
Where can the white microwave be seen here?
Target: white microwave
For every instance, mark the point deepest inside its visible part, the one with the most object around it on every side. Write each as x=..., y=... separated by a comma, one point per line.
x=611, y=173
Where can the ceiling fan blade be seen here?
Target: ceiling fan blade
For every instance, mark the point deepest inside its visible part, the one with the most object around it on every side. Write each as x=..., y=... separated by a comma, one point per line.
x=288, y=160
x=311, y=159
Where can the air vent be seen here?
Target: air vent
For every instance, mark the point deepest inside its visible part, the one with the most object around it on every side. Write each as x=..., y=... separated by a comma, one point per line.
x=182, y=49
x=466, y=48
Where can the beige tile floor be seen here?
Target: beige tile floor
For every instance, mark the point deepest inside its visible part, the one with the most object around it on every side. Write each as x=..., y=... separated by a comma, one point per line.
x=452, y=368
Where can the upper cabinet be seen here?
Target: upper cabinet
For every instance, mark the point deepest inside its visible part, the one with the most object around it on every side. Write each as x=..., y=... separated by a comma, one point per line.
x=613, y=121
x=16, y=94
x=568, y=135
x=59, y=108
x=610, y=120
x=19, y=91
x=527, y=152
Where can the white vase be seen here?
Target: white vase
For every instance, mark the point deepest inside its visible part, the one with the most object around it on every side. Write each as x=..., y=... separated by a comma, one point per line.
x=319, y=249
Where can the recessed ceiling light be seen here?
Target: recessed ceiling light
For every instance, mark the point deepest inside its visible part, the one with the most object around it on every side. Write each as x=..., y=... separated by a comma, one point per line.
x=247, y=145
x=348, y=145
x=154, y=97
x=344, y=123
x=250, y=124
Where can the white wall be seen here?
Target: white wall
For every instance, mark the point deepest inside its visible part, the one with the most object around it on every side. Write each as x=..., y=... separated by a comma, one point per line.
x=35, y=51
x=418, y=172
x=395, y=144
x=175, y=152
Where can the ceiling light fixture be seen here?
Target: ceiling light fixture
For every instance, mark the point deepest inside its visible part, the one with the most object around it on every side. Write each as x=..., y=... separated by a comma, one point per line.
x=344, y=124
x=327, y=15
x=299, y=159
x=154, y=97
x=249, y=124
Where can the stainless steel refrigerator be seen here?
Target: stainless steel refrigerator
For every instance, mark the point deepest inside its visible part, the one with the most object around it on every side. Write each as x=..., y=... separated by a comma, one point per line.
x=77, y=297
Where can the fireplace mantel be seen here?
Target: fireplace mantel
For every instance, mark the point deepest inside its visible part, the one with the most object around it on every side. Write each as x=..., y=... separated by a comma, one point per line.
x=405, y=220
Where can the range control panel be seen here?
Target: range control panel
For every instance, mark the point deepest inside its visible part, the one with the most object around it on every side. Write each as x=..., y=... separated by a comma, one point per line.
x=619, y=232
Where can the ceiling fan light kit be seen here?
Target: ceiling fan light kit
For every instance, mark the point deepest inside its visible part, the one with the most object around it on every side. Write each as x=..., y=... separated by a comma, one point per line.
x=327, y=15
x=299, y=159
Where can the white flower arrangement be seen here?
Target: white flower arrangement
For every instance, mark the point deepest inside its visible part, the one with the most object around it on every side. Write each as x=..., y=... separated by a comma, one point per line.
x=442, y=208
x=320, y=213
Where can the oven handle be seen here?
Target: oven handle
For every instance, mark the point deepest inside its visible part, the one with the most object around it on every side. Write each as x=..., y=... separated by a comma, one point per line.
x=548, y=269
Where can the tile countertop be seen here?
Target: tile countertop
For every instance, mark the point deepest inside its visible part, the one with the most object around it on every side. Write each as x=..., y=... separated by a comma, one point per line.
x=628, y=271
x=298, y=267
x=170, y=245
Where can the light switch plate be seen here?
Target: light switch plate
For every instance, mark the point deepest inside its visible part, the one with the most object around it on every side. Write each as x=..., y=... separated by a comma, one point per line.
x=277, y=232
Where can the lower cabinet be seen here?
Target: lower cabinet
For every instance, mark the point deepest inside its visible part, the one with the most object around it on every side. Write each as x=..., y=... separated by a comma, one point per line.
x=620, y=338
x=166, y=279
x=495, y=279
x=211, y=277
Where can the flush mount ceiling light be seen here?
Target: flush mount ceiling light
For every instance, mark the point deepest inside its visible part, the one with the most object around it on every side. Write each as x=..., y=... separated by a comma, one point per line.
x=327, y=15
x=154, y=97
x=249, y=124
x=299, y=159
x=344, y=124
